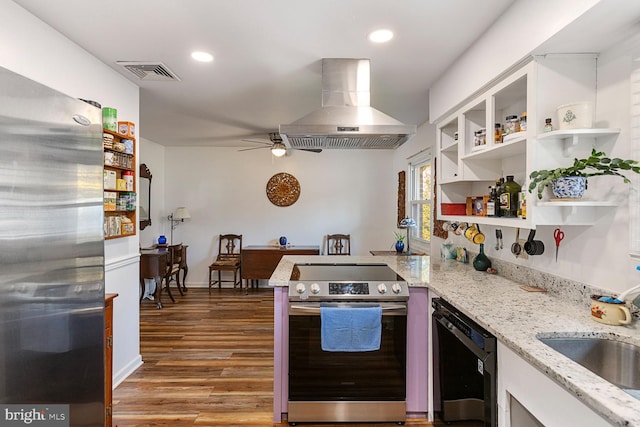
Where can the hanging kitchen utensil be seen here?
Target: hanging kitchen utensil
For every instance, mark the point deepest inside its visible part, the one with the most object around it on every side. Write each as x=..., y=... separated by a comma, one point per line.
x=558, y=236
x=498, y=239
x=516, y=249
x=533, y=247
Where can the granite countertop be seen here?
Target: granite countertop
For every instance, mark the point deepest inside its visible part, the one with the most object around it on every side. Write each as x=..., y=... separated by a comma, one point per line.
x=414, y=269
x=517, y=318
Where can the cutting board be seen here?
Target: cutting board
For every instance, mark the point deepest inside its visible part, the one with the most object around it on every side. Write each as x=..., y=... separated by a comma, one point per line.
x=532, y=289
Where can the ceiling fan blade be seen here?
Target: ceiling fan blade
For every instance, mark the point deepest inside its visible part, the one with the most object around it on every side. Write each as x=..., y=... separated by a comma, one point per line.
x=258, y=141
x=252, y=148
x=313, y=150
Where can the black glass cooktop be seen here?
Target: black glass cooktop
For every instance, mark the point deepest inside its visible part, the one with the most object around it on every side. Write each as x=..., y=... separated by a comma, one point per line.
x=344, y=272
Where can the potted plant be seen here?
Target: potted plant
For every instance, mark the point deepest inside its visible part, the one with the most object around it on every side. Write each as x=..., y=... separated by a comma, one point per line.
x=399, y=241
x=570, y=182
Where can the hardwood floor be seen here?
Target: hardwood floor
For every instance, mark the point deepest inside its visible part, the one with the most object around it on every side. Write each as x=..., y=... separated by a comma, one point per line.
x=208, y=361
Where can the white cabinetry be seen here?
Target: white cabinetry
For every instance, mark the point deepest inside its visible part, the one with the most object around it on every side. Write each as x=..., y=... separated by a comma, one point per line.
x=537, y=88
x=549, y=403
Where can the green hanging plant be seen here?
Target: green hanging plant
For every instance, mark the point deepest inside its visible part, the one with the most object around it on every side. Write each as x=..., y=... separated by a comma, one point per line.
x=595, y=165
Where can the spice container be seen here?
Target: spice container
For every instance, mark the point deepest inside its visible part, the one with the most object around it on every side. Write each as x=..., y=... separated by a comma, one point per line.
x=511, y=125
x=497, y=134
x=480, y=138
x=128, y=178
x=110, y=119
x=548, y=127
x=523, y=122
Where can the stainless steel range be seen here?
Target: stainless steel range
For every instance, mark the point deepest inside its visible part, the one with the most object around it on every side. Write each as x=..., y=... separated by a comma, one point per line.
x=352, y=384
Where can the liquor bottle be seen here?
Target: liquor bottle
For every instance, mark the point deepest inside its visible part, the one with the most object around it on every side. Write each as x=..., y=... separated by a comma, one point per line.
x=499, y=184
x=509, y=198
x=491, y=203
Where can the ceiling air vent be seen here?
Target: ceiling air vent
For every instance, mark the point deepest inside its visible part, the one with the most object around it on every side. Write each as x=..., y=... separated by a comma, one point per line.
x=149, y=71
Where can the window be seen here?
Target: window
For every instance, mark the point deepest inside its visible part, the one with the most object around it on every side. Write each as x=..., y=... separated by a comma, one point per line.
x=634, y=195
x=421, y=196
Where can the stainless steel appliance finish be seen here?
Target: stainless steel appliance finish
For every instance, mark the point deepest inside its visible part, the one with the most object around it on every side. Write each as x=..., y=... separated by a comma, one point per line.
x=51, y=250
x=467, y=365
x=346, y=119
x=346, y=386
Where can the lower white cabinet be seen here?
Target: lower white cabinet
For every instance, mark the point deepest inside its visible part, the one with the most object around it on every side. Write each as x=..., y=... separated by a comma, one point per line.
x=540, y=401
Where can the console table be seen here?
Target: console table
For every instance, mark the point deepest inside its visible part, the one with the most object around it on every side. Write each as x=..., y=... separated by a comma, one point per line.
x=259, y=262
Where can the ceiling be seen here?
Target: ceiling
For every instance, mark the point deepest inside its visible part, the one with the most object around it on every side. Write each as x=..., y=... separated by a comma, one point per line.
x=267, y=66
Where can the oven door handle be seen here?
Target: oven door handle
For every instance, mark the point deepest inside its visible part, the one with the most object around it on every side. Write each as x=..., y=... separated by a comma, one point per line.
x=315, y=309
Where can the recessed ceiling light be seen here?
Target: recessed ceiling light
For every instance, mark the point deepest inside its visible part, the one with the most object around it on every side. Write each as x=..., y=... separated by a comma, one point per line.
x=202, y=56
x=381, y=36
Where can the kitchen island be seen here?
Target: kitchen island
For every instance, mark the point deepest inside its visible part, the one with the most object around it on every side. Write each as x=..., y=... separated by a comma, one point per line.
x=517, y=318
x=414, y=269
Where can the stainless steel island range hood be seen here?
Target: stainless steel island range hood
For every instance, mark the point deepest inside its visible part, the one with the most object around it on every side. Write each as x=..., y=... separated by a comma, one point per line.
x=346, y=119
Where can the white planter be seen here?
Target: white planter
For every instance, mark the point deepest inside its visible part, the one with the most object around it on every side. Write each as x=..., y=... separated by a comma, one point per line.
x=577, y=115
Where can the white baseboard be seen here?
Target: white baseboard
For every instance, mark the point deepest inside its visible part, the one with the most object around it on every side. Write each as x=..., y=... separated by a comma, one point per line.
x=129, y=369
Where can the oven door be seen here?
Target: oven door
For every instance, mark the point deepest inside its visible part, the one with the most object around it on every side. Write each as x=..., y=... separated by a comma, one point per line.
x=317, y=375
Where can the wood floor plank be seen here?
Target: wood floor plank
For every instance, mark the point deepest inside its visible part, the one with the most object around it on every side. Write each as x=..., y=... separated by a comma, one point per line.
x=208, y=362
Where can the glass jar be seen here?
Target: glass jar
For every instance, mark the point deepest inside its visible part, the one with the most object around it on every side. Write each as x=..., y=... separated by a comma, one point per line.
x=511, y=125
x=523, y=122
x=548, y=127
x=480, y=137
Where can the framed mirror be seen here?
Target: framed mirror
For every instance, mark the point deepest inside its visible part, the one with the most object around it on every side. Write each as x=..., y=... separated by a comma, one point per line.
x=144, y=199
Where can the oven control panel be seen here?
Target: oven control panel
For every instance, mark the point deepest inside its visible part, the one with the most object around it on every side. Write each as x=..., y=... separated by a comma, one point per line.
x=330, y=290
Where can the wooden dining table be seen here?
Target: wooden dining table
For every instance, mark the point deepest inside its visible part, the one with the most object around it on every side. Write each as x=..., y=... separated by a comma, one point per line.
x=259, y=262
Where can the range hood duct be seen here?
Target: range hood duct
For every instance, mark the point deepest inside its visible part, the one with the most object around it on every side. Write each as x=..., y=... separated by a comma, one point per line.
x=346, y=119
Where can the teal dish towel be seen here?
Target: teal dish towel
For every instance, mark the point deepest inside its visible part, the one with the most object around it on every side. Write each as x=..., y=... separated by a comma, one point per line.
x=350, y=329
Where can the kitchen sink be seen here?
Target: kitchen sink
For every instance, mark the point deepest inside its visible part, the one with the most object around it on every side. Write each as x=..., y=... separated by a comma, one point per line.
x=615, y=361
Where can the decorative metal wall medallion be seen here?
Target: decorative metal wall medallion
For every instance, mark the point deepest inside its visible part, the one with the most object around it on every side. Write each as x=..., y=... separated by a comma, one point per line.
x=283, y=189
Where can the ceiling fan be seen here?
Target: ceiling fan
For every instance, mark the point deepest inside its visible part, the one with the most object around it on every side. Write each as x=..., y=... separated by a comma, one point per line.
x=276, y=145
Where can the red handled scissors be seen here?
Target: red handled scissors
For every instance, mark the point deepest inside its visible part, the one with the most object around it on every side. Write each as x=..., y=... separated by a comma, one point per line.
x=558, y=235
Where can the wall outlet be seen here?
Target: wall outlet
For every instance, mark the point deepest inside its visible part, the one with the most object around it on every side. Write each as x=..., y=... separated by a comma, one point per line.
x=523, y=254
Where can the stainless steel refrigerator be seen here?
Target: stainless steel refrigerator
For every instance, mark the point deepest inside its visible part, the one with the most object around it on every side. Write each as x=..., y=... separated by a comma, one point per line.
x=51, y=255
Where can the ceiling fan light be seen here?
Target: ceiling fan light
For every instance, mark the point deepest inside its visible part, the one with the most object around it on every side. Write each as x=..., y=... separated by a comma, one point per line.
x=278, y=149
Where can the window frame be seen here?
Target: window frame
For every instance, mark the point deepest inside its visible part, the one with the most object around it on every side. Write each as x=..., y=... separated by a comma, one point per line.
x=414, y=201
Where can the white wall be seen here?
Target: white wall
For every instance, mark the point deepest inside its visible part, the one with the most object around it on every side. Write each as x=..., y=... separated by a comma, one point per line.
x=342, y=191
x=33, y=49
x=520, y=30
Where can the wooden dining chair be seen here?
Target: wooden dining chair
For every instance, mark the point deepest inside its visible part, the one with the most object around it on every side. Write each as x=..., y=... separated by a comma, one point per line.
x=175, y=263
x=338, y=244
x=228, y=259
x=170, y=273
